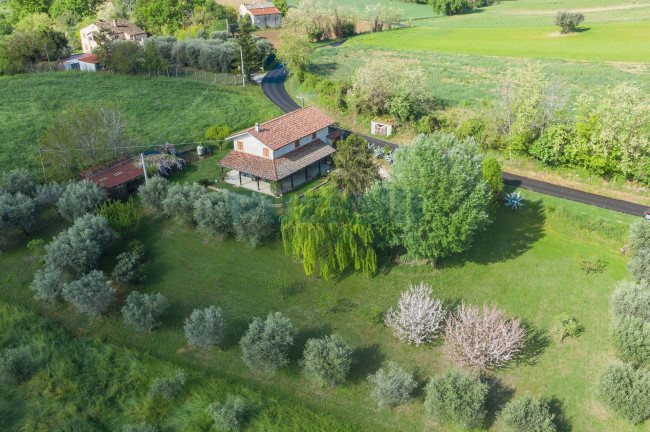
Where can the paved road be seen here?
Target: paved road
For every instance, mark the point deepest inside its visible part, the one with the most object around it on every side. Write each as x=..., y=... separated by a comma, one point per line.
x=273, y=88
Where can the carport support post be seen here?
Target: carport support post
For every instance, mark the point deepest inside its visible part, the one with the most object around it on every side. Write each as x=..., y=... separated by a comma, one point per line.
x=318, y=166
x=306, y=172
x=291, y=181
x=239, y=177
x=258, y=183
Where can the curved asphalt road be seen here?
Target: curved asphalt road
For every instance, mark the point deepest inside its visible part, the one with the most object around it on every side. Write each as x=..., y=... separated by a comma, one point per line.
x=273, y=88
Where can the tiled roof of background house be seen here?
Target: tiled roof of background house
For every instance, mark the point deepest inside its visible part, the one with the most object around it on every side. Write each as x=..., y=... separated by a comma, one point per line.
x=282, y=167
x=283, y=130
x=265, y=11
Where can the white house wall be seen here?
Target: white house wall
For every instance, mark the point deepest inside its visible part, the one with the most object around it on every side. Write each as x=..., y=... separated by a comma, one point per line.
x=321, y=134
x=251, y=145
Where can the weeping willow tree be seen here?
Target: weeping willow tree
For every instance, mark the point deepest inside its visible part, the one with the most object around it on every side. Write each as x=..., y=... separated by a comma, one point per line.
x=324, y=230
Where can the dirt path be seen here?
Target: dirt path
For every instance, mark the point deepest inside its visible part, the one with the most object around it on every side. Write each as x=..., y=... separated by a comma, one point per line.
x=598, y=9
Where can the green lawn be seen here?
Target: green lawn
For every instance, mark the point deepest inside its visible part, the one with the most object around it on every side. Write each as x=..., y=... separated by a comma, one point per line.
x=622, y=42
x=527, y=262
x=152, y=106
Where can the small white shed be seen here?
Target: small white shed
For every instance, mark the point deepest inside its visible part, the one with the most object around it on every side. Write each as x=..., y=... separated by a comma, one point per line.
x=380, y=127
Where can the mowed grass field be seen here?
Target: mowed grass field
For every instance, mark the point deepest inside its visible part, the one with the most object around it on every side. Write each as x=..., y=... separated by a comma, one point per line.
x=152, y=106
x=528, y=263
x=616, y=42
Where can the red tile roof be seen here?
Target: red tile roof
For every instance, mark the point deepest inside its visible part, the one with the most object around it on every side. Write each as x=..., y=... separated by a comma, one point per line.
x=88, y=58
x=265, y=11
x=282, y=167
x=283, y=130
x=116, y=174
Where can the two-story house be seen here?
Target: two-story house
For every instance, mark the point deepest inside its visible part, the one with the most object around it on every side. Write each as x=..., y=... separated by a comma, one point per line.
x=118, y=28
x=280, y=148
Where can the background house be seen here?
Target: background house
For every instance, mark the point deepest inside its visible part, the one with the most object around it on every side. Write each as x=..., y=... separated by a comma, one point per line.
x=288, y=149
x=262, y=15
x=119, y=28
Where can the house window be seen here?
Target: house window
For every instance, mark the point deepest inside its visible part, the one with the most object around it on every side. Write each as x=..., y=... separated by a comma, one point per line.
x=313, y=136
x=240, y=145
x=265, y=152
x=296, y=144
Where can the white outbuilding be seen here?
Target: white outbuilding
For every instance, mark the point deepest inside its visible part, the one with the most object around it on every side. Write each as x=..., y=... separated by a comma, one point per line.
x=263, y=15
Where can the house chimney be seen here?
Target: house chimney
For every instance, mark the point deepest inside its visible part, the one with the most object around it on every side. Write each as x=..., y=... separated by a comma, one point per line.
x=257, y=127
x=115, y=22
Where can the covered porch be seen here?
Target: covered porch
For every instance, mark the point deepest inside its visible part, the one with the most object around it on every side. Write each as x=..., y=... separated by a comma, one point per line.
x=260, y=185
x=290, y=171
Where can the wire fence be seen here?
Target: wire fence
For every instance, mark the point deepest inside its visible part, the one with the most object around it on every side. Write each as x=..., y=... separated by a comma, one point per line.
x=227, y=79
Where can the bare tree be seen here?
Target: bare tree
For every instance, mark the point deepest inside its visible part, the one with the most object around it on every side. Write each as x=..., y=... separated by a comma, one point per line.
x=483, y=338
x=419, y=317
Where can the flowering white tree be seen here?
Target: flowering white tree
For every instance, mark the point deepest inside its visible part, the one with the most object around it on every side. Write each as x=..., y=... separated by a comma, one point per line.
x=483, y=338
x=419, y=316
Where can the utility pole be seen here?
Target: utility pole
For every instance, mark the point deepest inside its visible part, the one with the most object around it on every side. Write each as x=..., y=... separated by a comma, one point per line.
x=48, y=57
x=40, y=152
x=144, y=168
x=243, y=76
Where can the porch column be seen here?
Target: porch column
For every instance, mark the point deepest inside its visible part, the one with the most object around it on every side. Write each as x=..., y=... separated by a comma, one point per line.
x=258, y=183
x=318, y=166
x=239, y=177
x=291, y=181
x=306, y=168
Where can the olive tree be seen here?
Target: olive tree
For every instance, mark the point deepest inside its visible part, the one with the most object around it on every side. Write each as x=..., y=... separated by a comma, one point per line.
x=153, y=192
x=251, y=219
x=47, y=284
x=527, y=414
x=266, y=342
x=639, y=265
x=205, y=327
x=626, y=391
x=212, y=215
x=77, y=249
x=180, y=199
x=457, y=398
x=91, y=294
x=631, y=339
x=21, y=181
x=631, y=299
x=143, y=311
x=392, y=386
x=227, y=416
x=327, y=361
x=167, y=388
x=568, y=21
x=18, y=211
x=80, y=198
x=639, y=237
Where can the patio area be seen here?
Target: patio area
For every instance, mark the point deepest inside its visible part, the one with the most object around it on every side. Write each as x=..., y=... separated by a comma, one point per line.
x=251, y=183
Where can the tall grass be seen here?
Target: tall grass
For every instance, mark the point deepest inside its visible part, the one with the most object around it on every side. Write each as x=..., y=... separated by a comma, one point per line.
x=85, y=384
